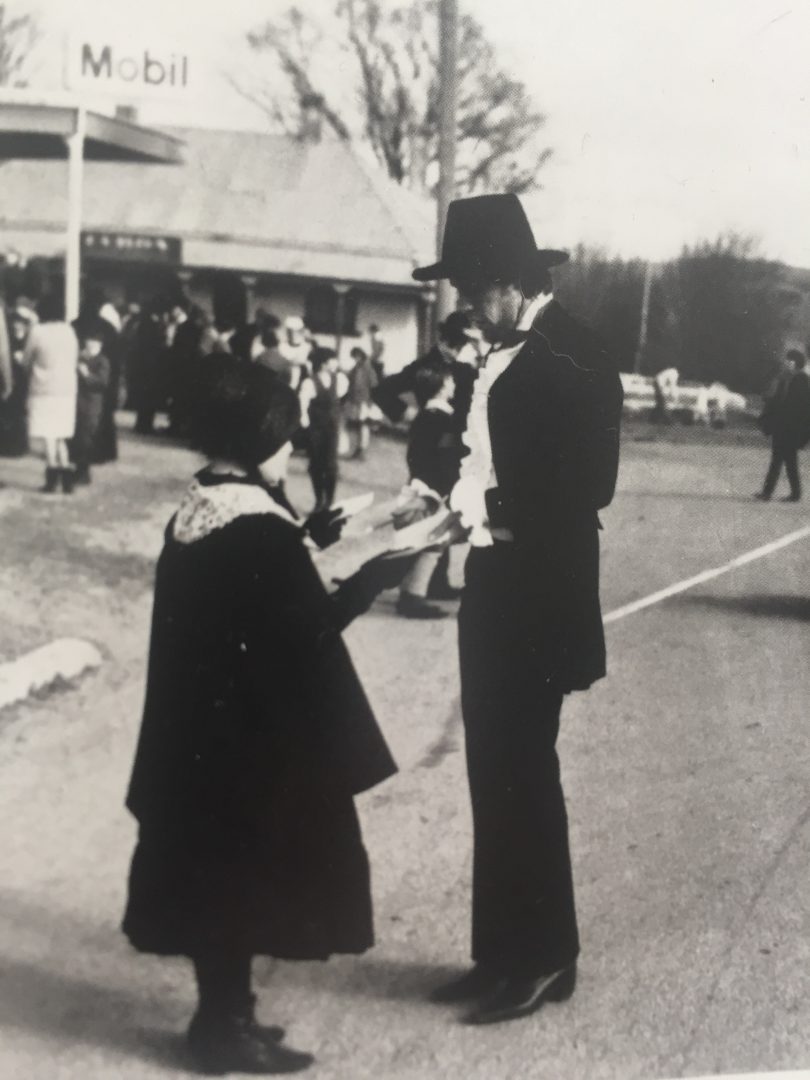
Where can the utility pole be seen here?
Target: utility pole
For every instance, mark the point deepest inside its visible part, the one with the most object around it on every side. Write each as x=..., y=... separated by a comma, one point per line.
x=645, y=318
x=448, y=63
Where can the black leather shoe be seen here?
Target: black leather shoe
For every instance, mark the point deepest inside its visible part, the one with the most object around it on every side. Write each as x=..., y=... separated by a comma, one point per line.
x=444, y=591
x=476, y=983
x=416, y=607
x=792, y=498
x=515, y=998
x=230, y=1044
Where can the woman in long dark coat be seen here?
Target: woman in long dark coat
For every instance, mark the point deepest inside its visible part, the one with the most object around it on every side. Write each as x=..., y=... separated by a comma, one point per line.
x=95, y=373
x=256, y=733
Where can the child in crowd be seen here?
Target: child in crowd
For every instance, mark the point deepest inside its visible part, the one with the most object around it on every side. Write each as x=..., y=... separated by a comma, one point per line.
x=327, y=385
x=434, y=458
x=94, y=374
x=362, y=381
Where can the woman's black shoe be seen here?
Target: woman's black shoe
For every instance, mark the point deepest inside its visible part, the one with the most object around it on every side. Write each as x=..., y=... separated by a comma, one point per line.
x=270, y=1032
x=233, y=1044
x=68, y=481
x=51, y=484
x=513, y=998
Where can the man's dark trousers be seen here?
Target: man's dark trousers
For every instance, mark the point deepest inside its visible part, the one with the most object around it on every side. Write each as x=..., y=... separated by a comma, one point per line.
x=783, y=451
x=524, y=919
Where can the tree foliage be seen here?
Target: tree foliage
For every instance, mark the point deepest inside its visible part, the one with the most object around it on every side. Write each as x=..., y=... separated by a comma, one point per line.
x=387, y=57
x=607, y=293
x=17, y=36
x=717, y=313
x=728, y=314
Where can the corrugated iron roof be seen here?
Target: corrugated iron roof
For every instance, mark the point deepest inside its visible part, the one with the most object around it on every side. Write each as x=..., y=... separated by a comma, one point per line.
x=263, y=190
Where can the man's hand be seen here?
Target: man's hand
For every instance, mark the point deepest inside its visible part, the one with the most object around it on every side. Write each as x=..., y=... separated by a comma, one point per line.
x=385, y=571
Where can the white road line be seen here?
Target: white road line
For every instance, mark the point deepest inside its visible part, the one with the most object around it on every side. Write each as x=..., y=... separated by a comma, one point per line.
x=706, y=575
x=801, y=1074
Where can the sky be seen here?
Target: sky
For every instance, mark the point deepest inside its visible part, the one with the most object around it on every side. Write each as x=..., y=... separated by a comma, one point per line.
x=671, y=121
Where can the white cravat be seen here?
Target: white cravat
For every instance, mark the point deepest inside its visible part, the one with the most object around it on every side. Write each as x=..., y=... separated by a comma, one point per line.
x=477, y=471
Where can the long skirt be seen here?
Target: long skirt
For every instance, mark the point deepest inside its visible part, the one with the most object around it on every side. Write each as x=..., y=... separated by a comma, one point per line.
x=300, y=891
x=51, y=416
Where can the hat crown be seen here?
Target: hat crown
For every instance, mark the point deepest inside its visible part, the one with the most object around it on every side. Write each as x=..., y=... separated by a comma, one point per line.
x=488, y=237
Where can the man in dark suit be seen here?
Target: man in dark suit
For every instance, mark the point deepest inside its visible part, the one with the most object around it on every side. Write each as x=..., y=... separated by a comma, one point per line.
x=543, y=436
x=786, y=418
x=455, y=333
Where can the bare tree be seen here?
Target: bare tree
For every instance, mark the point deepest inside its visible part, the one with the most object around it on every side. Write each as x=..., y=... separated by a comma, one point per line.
x=17, y=36
x=390, y=51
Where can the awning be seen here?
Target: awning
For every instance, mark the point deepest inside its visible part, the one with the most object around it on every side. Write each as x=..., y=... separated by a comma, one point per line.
x=40, y=131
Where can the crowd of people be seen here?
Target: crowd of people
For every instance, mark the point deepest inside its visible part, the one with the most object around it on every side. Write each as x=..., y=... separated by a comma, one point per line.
x=61, y=383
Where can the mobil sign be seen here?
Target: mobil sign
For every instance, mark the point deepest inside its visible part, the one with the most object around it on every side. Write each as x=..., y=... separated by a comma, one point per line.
x=105, y=64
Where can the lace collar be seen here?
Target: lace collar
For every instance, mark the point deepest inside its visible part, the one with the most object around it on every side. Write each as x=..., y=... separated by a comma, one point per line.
x=212, y=502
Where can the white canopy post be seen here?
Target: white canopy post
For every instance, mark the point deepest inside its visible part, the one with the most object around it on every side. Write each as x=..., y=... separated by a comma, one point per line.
x=73, y=255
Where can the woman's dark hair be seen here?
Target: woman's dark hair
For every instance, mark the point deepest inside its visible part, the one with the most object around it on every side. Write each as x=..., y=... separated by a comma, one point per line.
x=428, y=383
x=534, y=281
x=454, y=329
x=359, y=354
x=244, y=413
x=242, y=341
x=320, y=355
x=270, y=325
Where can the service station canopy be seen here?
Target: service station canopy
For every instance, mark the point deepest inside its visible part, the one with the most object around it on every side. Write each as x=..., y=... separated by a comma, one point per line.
x=41, y=132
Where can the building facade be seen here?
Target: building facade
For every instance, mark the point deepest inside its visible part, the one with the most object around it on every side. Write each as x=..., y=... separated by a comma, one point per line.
x=246, y=221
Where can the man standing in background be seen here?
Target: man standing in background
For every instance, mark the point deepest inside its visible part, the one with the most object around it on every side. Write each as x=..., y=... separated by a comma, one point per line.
x=786, y=418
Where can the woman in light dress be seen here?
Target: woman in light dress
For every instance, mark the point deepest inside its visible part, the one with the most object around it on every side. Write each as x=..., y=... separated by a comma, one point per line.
x=51, y=358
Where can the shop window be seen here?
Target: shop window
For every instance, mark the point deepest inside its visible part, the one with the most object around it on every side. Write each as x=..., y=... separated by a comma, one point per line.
x=322, y=310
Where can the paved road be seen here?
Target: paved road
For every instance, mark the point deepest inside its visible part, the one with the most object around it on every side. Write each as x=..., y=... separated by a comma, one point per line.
x=686, y=770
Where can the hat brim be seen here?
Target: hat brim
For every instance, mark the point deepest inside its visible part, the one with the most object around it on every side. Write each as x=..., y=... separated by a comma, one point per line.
x=544, y=258
x=435, y=272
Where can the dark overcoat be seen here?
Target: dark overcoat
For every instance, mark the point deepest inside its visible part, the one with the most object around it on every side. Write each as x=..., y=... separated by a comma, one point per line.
x=554, y=419
x=90, y=406
x=256, y=734
x=434, y=450
x=530, y=630
x=787, y=412
x=389, y=393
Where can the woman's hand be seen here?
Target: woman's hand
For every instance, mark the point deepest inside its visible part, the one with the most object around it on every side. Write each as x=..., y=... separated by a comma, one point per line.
x=325, y=526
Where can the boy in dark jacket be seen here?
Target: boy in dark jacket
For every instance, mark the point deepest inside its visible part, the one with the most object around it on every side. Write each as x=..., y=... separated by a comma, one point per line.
x=434, y=446
x=434, y=457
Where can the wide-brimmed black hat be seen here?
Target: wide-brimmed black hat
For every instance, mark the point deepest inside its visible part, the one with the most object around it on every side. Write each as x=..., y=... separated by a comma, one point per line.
x=488, y=237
